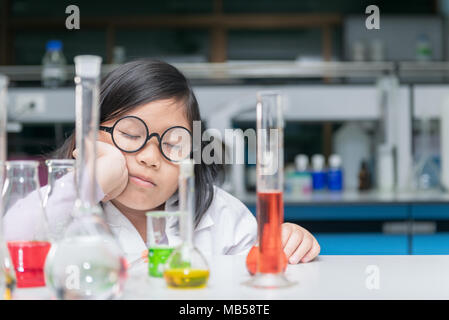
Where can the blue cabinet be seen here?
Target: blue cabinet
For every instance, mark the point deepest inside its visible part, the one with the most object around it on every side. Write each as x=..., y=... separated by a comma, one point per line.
x=373, y=242
x=437, y=243
x=361, y=243
x=342, y=212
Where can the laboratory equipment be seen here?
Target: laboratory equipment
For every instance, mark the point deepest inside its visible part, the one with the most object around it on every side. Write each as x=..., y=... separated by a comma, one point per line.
x=29, y=243
x=423, y=48
x=186, y=267
x=353, y=144
x=335, y=173
x=301, y=179
x=364, y=177
x=87, y=263
x=253, y=257
x=319, y=178
x=53, y=65
x=385, y=168
x=61, y=188
x=270, y=207
x=162, y=236
x=425, y=173
x=444, y=136
x=7, y=276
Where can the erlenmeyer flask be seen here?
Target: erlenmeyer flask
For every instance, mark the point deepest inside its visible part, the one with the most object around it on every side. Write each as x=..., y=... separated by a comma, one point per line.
x=186, y=267
x=87, y=263
x=61, y=188
x=270, y=206
x=29, y=242
x=7, y=276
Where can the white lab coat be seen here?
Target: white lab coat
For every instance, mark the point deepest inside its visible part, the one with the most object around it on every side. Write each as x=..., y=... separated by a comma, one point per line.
x=227, y=227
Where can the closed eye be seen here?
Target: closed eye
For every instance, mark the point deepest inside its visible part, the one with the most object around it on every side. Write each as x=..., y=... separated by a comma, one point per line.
x=169, y=145
x=129, y=136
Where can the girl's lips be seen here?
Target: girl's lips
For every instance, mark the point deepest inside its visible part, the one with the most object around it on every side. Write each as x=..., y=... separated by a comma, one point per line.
x=141, y=182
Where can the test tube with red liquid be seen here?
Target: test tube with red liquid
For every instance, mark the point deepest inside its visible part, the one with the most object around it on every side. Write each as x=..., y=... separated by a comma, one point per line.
x=270, y=206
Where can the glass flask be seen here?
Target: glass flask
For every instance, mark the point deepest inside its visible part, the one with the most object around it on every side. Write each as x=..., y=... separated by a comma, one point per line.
x=162, y=237
x=7, y=276
x=87, y=263
x=28, y=243
x=270, y=206
x=61, y=187
x=186, y=267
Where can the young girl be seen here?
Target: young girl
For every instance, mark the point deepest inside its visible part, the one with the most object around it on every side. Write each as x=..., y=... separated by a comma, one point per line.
x=141, y=103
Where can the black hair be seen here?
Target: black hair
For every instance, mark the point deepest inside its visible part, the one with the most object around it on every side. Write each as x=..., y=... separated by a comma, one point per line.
x=142, y=81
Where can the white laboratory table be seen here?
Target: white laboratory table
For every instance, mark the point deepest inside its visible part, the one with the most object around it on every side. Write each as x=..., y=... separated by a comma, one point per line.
x=327, y=277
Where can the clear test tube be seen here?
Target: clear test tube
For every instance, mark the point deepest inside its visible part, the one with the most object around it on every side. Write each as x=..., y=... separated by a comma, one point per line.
x=87, y=90
x=270, y=207
x=7, y=277
x=3, y=118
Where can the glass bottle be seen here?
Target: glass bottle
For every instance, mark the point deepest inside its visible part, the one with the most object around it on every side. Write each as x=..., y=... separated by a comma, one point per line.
x=270, y=207
x=29, y=242
x=61, y=177
x=88, y=262
x=186, y=267
x=7, y=276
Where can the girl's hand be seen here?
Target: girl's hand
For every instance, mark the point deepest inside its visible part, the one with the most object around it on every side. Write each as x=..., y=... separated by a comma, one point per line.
x=112, y=172
x=298, y=243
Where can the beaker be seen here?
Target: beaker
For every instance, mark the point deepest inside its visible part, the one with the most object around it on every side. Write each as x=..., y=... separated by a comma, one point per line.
x=87, y=263
x=61, y=188
x=29, y=242
x=186, y=267
x=270, y=206
x=7, y=275
x=162, y=237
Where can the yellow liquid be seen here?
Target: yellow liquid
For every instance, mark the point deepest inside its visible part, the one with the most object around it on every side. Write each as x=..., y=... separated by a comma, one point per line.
x=186, y=278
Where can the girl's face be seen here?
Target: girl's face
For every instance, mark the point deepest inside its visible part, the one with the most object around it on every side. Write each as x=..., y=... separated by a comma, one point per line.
x=152, y=179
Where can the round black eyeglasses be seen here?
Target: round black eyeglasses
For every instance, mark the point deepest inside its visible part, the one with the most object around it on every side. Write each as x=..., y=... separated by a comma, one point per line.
x=130, y=134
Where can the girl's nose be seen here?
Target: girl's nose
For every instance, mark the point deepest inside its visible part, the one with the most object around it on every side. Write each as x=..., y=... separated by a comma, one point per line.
x=150, y=155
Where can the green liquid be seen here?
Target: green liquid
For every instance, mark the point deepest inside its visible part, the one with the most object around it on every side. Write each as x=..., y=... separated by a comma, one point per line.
x=156, y=259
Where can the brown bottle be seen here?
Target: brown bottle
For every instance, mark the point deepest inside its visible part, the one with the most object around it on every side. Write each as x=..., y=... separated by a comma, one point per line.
x=364, y=177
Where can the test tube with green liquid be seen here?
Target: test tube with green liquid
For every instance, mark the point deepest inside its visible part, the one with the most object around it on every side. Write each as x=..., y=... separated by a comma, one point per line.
x=162, y=237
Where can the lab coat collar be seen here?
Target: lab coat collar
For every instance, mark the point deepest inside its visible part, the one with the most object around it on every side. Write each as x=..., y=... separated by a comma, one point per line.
x=172, y=204
x=116, y=219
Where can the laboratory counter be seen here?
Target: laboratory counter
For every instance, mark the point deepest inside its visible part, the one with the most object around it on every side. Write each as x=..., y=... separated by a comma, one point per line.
x=328, y=277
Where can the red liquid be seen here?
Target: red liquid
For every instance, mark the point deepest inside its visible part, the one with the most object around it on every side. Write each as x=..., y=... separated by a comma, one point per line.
x=28, y=258
x=270, y=215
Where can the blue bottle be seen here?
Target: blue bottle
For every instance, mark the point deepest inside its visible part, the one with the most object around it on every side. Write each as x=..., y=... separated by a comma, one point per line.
x=335, y=173
x=318, y=173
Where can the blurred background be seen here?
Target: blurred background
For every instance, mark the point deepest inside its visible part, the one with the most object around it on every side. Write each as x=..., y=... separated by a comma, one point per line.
x=366, y=147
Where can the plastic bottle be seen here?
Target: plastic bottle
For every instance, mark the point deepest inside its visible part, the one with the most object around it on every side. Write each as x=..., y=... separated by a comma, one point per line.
x=53, y=65
x=444, y=134
x=385, y=168
x=335, y=173
x=318, y=173
x=303, y=178
x=423, y=48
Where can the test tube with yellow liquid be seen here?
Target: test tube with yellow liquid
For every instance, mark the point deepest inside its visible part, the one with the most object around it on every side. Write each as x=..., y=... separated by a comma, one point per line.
x=186, y=267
